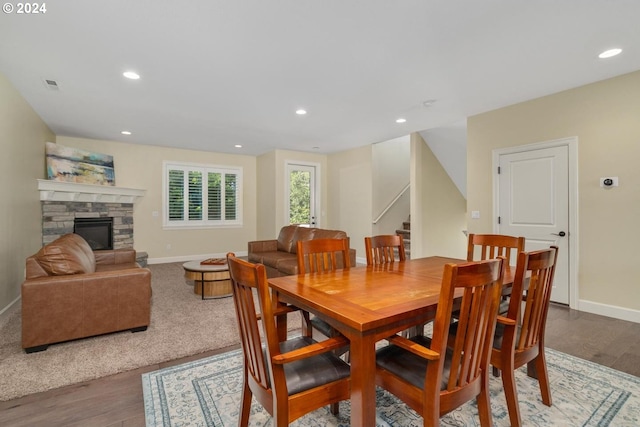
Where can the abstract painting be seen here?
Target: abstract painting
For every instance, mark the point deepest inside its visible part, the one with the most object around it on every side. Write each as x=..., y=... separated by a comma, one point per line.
x=74, y=165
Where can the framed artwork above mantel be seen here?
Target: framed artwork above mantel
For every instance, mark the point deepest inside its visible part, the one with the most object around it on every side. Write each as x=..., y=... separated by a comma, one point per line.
x=69, y=164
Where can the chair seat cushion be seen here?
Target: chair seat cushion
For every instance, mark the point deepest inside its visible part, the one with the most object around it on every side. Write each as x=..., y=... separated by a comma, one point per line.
x=315, y=371
x=408, y=366
x=499, y=335
x=322, y=326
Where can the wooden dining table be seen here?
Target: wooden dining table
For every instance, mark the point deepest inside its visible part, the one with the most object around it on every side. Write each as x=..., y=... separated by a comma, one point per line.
x=367, y=304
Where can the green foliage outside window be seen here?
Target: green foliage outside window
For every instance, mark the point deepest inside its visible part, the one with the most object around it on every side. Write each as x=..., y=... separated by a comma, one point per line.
x=299, y=197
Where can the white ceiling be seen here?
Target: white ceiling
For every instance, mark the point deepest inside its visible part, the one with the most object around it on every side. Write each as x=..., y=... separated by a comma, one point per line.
x=218, y=73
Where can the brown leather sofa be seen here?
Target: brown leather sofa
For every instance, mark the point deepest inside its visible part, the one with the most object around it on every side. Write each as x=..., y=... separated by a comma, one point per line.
x=280, y=255
x=73, y=292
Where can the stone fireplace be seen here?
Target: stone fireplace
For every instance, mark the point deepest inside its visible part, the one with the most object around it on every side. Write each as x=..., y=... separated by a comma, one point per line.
x=63, y=202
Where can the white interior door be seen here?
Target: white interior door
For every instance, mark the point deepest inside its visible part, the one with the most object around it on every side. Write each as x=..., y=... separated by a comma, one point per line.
x=533, y=201
x=301, y=195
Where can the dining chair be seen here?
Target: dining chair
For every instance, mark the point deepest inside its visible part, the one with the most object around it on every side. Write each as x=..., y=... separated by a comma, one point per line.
x=434, y=380
x=288, y=378
x=520, y=339
x=494, y=245
x=489, y=246
x=321, y=256
x=383, y=248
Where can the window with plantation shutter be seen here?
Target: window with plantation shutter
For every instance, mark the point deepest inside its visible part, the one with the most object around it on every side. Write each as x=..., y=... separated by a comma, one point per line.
x=200, y=196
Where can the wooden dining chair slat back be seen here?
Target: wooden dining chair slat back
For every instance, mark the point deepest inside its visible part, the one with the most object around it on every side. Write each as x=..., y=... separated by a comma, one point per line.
x=432, y=379
x=288, y=378
x=383, y=248
x=519, y=338
x=491, y=246
x=322, y=255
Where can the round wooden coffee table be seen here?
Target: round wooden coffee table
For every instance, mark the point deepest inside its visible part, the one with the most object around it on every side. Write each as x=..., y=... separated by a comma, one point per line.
x=209, y=281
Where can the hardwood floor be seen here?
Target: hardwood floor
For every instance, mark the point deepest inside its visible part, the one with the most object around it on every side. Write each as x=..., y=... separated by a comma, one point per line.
x=117, y=400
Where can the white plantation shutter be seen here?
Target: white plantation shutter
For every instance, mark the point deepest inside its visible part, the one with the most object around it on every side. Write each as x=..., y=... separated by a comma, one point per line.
x=202, y=196
x=195, y=196
x=215, y=196
x=230, y=184
x=176, y=195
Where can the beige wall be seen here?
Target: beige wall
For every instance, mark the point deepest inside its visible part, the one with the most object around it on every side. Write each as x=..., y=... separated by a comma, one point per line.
x=390, y=169
x=438, y=209
x=267, y=224
x=605, y=117
x=140, y=166
x=350, y=195
x=22, y=138
x=436, y=202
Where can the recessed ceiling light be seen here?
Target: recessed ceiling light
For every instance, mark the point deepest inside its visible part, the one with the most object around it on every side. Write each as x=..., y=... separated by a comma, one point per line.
x=301, y=112
x=238, y=146
x=125, y=132
x=131, y=75
x=609, y=53
x=401, y=120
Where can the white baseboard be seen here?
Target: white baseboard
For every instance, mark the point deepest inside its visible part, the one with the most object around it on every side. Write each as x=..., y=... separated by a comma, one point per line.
x=185, y=258
x=8, y=307
x=613, y=311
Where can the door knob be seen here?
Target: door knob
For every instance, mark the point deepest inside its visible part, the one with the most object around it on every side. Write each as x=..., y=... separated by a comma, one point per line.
x=561, y=234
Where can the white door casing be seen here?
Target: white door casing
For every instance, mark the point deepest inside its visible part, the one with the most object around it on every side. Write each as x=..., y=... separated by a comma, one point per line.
x=535, y=196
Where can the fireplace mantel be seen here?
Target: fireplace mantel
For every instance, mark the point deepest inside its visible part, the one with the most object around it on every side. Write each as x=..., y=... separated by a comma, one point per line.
x=73, y=192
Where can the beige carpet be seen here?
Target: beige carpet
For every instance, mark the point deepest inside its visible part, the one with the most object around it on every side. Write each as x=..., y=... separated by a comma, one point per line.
x=181, y=325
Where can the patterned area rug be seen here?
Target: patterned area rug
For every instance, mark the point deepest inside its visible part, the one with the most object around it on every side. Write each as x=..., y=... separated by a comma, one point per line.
x=207, y=392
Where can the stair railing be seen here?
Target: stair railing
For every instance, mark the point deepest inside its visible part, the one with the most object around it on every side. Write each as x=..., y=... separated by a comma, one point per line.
x=390, y=205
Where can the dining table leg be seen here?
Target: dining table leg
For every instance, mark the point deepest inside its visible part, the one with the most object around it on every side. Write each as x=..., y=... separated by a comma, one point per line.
x=363, y=387
x=282, y=326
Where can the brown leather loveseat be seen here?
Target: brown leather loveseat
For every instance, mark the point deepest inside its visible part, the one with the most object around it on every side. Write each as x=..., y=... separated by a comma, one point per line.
x=73, y=292
x=280, y=257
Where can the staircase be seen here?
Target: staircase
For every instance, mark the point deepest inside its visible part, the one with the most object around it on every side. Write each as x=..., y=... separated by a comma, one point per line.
x=405, y=232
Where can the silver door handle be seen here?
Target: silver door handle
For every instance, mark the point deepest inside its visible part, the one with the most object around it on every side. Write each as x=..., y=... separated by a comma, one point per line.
x=561, y=234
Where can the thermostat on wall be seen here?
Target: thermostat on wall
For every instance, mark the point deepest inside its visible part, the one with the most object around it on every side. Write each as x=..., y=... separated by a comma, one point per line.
x=609, y=181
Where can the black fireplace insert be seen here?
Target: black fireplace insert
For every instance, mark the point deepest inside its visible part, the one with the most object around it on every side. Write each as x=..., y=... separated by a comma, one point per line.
x=98, y=232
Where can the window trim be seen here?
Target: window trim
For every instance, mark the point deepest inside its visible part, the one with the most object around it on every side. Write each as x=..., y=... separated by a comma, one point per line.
x=205, y=168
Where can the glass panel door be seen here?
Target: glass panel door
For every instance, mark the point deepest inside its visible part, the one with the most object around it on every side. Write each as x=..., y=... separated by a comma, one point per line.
x=301, y=206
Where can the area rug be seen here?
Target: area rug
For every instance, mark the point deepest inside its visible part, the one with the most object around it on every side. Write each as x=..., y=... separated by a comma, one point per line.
x=206, y=392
